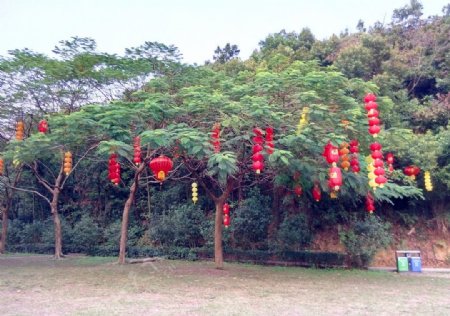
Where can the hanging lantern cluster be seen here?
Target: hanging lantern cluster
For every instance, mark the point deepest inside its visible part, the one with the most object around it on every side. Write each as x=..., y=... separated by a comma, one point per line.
x=390, y=161
x=67, y=162
x=426, y=177
x=215, y=138
x=137, y=150
x=269, y=140
x=411, y=171
x=331, y=154
x=226, y=215
x=258, y=158
x=43, y=126
x=343, y=153
x=114, y=169
x=354, y=149
x=316, y=193
x=372, y=114
x=303, y=120
x=20, y=128
x=2, y=166
x=160, y=167
x=378, y=164
x=370, y=203
x=194, y=192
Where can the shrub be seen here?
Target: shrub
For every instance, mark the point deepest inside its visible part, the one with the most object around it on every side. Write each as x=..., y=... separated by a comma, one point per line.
x=85, y=235
x=364, y=238
x=179, y=226
x=293, y=233
x=251, y=220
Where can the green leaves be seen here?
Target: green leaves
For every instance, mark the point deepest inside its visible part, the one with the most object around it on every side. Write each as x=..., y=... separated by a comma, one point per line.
x=222, y=165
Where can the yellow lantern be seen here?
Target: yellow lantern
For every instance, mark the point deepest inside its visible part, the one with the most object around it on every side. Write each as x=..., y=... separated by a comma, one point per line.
x=194, y=192
x=303, y=120
x=427, y=179
x=67, y=162
x=20, y=127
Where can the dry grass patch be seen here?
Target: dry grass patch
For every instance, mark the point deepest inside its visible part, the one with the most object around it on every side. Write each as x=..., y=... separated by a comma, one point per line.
x=39, y=285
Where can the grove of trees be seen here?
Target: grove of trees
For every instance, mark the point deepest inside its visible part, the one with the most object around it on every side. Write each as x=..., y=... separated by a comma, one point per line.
x=309, y=91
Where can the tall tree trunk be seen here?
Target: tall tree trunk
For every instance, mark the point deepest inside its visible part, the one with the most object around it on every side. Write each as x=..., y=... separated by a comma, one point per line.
x=57, y=224
x=125, y=215
x=4, y=228
x=218, y=250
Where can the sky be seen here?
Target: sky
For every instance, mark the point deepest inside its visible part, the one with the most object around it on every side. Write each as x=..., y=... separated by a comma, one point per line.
x=196, y=27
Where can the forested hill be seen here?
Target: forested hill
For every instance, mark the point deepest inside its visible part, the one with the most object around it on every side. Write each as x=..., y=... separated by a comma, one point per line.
x=103, y=153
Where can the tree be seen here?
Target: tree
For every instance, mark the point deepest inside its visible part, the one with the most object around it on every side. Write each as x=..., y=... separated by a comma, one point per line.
x=227, y=53
x=44, y=155
x=178, y=119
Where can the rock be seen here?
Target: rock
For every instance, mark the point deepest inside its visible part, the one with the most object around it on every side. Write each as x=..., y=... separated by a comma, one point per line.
x=441, y=250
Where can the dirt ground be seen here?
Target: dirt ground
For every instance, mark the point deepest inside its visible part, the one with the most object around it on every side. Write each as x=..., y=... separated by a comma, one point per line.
x=76, y=285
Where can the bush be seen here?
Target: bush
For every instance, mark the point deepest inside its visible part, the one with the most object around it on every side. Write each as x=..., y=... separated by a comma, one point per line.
x=251, y=220
x=364, y=239
x=179, y=226
x=293, y=233
x=111, y=235
x=84, y=235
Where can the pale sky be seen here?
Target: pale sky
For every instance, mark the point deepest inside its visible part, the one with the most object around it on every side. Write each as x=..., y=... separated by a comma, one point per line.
x=196, y=27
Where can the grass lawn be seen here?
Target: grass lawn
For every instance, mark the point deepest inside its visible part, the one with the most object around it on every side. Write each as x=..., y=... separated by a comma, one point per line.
x=40, y=285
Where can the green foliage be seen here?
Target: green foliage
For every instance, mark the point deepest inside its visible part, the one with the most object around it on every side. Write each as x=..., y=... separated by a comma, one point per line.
x=364, y=238
x=178, y=226
x=293, y=233
x=250, y=220
x=85, y=235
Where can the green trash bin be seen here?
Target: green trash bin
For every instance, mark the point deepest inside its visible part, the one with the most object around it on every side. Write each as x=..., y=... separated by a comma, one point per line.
x=402, y=264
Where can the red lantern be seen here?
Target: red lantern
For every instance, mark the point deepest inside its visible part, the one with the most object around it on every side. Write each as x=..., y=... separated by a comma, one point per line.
x=378, y=163
x=226, y=209
x=43, y=126
x=226, y=220
x=298, y=189
x=215, y=138
x=258, y=166
x=114, y=169
x=316, y=193
x=370, y=203
x=370, y=97
x=379, y=171
x=354, y=146
x=374, y=121
x=137, y=150
x=380, y=180
x=374, y=130
x=375, y=146
x=373, y=113
x=160, y=167
x=331, y=153
x=335, y=180
x=371, y=105
x=377, y=154
x=411, y=171
x=390, y=161
x=269, y=140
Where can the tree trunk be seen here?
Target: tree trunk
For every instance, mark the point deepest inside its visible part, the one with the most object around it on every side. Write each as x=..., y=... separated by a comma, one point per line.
x=4, y=229
x=218, y=250
x=57, y=224
x=125, y=216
